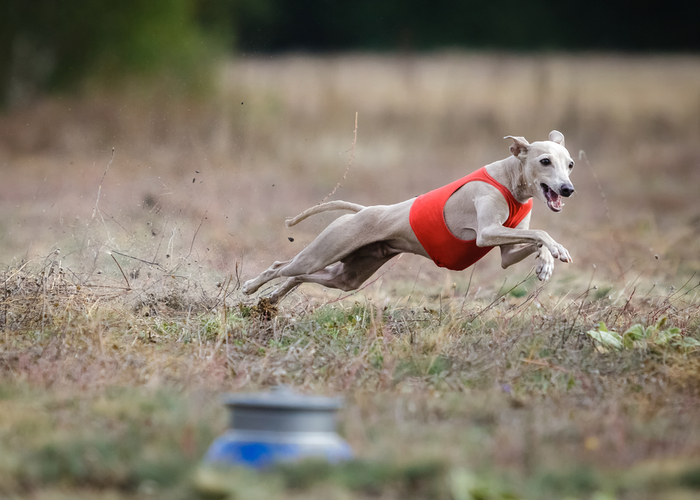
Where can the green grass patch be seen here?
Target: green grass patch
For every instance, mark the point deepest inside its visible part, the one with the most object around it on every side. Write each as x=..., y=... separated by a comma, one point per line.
x=484, y=403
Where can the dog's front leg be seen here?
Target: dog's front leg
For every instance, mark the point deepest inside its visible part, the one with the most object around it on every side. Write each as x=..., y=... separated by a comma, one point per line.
x=497, y=235
x=544, y=264
x=512, y=254
x=490, y=231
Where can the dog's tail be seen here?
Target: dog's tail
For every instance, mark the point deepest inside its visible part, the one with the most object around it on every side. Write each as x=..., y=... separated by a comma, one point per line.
x=331, y=205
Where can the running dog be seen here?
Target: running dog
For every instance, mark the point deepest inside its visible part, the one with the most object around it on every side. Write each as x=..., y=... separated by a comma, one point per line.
x=455, y=225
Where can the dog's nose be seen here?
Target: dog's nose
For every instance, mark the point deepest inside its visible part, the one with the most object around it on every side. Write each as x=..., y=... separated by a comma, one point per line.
x=567, y=190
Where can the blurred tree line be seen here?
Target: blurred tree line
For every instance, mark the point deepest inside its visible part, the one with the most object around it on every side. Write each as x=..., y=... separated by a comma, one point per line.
x=625, y=25
x=56, y=43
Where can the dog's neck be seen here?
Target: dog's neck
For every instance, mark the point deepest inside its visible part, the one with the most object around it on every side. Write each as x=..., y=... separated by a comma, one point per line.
x=510, y=173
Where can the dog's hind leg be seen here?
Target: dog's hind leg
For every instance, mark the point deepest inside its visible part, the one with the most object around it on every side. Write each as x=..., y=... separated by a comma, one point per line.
x=341, y=238
x=348, y=274
x=282, y=290
x=270, y=273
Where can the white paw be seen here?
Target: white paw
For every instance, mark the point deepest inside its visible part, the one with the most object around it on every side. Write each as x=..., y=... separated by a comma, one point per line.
x=564, y=255
x=544, y=264
x=248, y=287
x=561, y=253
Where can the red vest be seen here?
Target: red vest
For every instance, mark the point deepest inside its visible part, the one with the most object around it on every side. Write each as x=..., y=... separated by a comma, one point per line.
x=428, y=223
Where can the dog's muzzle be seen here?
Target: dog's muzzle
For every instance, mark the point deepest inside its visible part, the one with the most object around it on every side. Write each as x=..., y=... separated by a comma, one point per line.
x=566, y=190
x=553, y=197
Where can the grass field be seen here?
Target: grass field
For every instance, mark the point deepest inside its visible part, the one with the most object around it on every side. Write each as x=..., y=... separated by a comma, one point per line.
x=130, y=217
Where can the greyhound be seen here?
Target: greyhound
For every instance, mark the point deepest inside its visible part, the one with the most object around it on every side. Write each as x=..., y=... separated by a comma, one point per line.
x=454, y=226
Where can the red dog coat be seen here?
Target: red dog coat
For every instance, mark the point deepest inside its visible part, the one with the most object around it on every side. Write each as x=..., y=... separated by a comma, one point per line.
x=428, y=222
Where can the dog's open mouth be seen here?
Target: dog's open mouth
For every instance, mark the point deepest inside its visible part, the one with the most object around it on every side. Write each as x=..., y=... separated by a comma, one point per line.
x=553, y=199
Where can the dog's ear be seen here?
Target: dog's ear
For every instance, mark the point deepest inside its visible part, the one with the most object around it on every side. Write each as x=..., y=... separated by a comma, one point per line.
x=519, y=146
x=556, y=136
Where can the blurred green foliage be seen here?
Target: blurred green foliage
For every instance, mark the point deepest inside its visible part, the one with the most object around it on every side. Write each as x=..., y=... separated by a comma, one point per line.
x=50, y=44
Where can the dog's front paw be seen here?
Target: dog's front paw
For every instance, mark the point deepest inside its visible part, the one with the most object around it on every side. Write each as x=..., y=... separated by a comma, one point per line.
x=544, y=264
x=561, y=253
x=564, y=255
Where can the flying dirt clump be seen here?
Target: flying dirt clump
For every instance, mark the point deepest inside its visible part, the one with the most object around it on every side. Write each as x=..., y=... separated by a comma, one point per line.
x=264, y=309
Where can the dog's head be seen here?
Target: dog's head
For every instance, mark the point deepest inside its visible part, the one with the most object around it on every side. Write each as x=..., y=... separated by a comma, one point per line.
x=546, y=168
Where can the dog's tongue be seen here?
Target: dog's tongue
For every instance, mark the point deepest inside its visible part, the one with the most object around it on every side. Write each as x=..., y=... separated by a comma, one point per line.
x=553, y=199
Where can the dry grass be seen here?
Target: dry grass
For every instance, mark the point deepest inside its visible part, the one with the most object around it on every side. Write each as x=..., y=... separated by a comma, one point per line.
x=496, y=390
x=115, y=348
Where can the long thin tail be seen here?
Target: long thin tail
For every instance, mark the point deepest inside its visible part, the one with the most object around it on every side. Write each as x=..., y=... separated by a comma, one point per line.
x=331, y=205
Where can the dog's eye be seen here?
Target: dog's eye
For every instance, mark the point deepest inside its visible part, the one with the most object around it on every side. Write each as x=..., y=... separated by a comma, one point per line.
x=571, y=165
x=545, y=161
